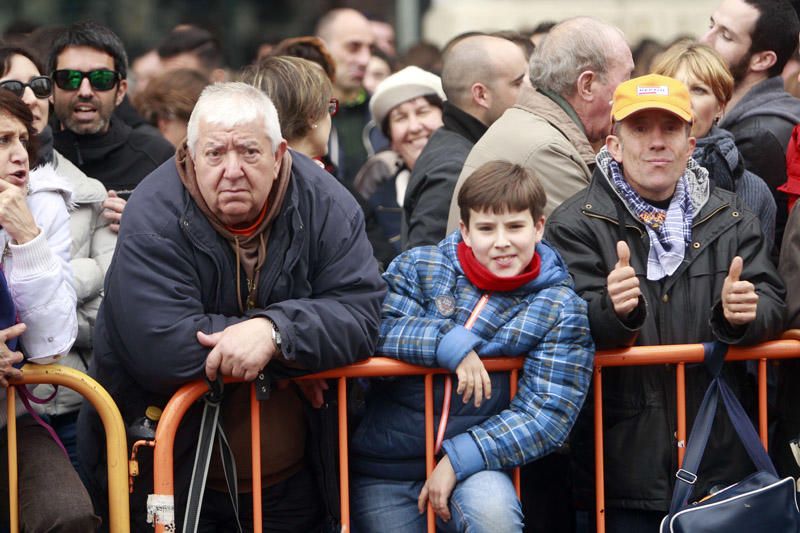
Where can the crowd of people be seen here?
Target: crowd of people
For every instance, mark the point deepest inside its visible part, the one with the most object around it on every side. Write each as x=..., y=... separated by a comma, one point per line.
x=539, y=194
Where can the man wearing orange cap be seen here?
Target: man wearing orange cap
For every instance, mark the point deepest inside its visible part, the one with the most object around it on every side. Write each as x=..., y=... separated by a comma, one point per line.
x=662, y=257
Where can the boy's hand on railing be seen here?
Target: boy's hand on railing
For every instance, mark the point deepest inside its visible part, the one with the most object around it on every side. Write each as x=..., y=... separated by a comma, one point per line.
x=9, y=358
x=739, y=298
x=437, y=489
x=623, y=285
x=241, y=350
x=313, y=390
x=473, y=379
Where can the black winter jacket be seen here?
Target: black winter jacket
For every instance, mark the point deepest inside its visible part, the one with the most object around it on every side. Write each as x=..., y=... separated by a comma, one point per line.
x=172, y=274
x=639, y=402
x=762, y=122
x=430, y=188
x=119, y=158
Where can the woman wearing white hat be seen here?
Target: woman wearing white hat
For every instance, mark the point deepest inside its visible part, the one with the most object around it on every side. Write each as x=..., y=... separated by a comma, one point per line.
x=407, y=106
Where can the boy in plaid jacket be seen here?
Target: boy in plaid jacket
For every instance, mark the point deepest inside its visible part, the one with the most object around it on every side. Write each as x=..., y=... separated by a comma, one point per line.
x=495, y=267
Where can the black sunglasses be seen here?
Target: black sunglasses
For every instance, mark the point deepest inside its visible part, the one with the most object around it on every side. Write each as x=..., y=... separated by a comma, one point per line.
x=41, y=86
x=100, y=79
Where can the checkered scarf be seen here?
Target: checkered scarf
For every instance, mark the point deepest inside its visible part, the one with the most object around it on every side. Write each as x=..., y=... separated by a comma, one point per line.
x=669, y=230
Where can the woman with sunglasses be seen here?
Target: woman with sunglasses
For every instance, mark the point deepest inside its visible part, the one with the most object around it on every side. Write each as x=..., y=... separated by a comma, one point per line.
x=92, y=240
x=35, y=240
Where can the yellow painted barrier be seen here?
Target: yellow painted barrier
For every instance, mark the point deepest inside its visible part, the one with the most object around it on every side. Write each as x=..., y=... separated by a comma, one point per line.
x=116, y=441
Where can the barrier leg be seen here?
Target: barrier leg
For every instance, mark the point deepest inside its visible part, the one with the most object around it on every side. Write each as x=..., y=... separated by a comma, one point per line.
x=255, y=450
x=680, y=387
x=513, y=378
x=599, y=481
x=429, y=459
x=344, y=465
x=762, y=402
x=13, y=485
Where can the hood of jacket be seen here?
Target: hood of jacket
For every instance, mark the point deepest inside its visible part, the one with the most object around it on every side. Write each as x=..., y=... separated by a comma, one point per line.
x=698, y=184
x=765, y=98
x=85, y=190
x=553, y=270
x=45, y=178
x=539, y=104
x=719, y=147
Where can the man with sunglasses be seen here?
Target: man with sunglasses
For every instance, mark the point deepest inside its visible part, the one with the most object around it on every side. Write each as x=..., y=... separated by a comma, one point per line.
x=88, y=66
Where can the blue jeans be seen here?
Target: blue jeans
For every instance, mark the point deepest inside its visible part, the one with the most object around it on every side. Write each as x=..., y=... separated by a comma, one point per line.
x=485, y=501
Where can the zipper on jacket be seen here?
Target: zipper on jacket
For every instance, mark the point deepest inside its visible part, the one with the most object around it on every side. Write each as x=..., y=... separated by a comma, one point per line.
x=477, y=311
x=611, y=220
x=711, y=214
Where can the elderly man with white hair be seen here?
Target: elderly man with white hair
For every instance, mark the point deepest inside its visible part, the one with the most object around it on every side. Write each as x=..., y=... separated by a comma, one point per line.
x=238, y=258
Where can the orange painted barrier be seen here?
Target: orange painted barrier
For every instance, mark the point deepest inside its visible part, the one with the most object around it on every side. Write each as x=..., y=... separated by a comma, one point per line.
x=679, y=355
x=116, y=443
x=787, y=348
x=181, y=401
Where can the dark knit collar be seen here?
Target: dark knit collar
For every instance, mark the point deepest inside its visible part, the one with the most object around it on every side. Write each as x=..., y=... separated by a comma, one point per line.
x=565, y=106
x=461, y=122
x=92, y=147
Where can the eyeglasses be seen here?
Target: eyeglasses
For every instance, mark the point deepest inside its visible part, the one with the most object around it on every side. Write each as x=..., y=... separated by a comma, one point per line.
x=100, y=79
x=41, y=86
x=333, y=107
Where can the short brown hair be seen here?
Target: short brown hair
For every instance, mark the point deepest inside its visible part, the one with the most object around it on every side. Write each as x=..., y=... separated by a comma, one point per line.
x=701, y=61
x=500, y=186
x=299, y=89
x=308, y=47
x=14, y=108
x=171, y=95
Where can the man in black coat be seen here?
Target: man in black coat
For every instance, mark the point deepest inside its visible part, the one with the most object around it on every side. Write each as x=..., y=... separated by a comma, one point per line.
x=89, y=67
x=481, y=78
x=662, y=257
x=241, y=259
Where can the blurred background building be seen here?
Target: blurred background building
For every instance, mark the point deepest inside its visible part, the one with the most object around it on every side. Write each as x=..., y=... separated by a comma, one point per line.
x=243, y=25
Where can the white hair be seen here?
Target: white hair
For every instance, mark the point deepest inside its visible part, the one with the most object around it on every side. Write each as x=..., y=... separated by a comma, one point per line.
x=231, y=104
x=571, y=47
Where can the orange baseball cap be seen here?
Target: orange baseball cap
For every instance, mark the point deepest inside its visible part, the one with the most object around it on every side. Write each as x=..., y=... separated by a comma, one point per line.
x=652, y=91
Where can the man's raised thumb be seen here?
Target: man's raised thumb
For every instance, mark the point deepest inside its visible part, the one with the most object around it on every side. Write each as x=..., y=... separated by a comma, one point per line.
x=623, y=254
x=735, y=271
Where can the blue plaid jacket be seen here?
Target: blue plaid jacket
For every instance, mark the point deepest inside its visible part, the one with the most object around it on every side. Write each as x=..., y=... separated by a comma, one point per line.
x=545, y=321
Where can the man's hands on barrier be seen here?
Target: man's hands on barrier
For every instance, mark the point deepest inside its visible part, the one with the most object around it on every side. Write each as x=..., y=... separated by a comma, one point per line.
x=9, y=358
x=241, y=350
x=15, y=216
x=112, y=210
x=437, y=489
x=473, y=379
x=739, y=298
x=623, y=285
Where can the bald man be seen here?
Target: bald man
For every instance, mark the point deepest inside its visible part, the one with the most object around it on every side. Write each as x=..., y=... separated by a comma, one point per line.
x=348, y=36
x=481, y=77
x=553, y=126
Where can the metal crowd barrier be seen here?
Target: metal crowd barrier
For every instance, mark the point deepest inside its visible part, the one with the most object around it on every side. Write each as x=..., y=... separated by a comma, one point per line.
x=116, y=443
x=678, y=355
x=181, y=401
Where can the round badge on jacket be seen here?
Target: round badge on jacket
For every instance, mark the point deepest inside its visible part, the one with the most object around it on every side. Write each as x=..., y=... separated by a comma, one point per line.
x=445, y=304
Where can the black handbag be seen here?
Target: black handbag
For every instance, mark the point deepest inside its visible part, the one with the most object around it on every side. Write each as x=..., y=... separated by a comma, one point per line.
x=760, y=502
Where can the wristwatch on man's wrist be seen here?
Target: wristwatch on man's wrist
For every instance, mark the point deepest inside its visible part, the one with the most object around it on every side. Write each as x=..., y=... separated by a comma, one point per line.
x=276, y=336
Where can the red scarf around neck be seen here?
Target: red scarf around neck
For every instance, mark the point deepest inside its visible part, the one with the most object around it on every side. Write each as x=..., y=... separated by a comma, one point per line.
x=481, y=277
